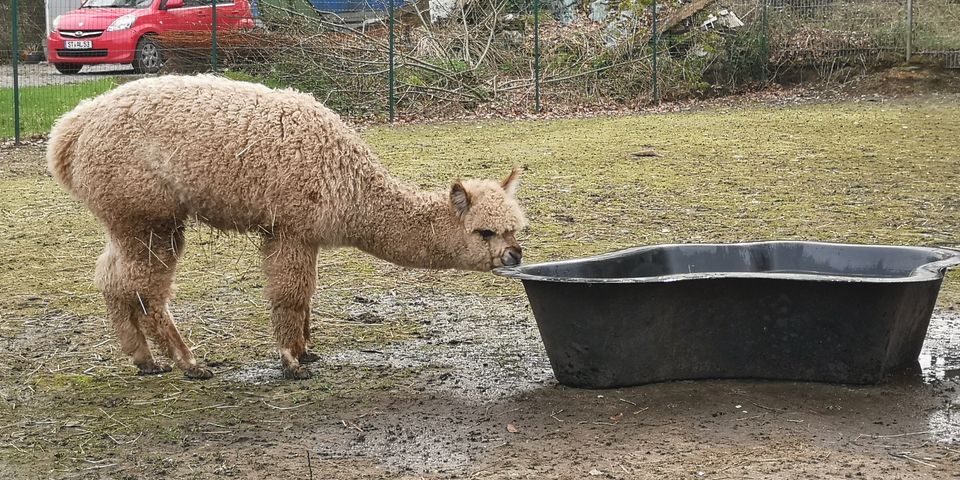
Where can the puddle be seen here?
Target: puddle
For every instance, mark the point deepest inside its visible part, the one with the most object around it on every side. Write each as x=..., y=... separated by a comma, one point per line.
x=482, y=348
x=477, y=347
x=489, y=348
x=478, y=357
x=261, y=373
x=945, y=424
x=940, y=357
x=940, y=361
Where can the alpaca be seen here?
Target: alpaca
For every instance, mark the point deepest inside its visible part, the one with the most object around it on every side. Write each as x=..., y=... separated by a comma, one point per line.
x=154, y=154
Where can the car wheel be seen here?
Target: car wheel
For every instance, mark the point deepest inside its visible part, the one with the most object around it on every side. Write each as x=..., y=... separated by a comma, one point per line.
x=147, y=58
x=68, y=68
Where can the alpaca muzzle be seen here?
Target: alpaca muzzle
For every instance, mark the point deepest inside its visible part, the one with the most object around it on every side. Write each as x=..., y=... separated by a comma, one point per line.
x=511, y=256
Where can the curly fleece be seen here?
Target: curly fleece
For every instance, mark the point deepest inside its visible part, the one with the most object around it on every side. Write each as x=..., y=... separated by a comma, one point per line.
x=154, y=154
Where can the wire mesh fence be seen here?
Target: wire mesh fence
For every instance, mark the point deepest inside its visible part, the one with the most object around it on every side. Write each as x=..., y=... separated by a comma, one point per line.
x=935, y=32
x=826, y=35
x=387, y=58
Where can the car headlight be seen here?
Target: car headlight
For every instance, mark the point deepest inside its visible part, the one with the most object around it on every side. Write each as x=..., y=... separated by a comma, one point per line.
x=122, y=23
x=56, y=23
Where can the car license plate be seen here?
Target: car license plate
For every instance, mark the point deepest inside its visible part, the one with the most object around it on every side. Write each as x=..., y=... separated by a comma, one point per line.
x=78, y=44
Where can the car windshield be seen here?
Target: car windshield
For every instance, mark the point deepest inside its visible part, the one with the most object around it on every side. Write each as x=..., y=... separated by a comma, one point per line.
x=116, y=3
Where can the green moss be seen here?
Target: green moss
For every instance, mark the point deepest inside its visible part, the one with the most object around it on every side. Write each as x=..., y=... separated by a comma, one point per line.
x=65, y=381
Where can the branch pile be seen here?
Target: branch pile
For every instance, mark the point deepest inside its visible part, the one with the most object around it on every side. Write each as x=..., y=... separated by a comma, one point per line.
x=481, y=60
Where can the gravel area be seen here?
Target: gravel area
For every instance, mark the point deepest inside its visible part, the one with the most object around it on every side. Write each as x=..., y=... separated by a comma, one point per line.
x=40, y=74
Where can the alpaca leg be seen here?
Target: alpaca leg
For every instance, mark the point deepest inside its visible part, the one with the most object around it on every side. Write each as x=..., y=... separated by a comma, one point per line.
x=132, y=340
x=162, y=253
x=149, y=257
x=307, y=356
x=121, y=313
x=158, y=324
x=291, y=270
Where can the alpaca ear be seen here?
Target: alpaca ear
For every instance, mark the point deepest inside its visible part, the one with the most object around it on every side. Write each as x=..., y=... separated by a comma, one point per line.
x=459, y=198
x=512, y=182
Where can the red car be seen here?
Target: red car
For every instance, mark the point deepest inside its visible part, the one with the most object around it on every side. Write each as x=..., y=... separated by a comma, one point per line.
x=122, y=31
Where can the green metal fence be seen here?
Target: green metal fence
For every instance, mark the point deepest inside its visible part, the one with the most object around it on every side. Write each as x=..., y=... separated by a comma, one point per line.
x=408, y=58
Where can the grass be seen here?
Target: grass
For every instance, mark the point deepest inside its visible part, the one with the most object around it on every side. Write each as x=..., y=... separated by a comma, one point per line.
x=246, y=77
x=844, y=172
x=41, y=106
x=848, y=172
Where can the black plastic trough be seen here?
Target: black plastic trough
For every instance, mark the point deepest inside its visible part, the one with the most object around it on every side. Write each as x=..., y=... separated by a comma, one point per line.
x=768, y=310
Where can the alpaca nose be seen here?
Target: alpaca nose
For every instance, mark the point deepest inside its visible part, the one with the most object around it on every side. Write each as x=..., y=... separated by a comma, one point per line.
x=512, y=256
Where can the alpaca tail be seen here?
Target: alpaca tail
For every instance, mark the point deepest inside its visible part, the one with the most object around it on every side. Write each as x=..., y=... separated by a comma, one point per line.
x=61, y=149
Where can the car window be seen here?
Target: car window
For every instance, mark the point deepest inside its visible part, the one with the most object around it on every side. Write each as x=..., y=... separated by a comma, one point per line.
x=116, y=4
x=205, y=3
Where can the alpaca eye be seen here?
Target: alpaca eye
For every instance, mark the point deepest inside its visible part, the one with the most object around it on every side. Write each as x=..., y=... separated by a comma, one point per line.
x=486, y=234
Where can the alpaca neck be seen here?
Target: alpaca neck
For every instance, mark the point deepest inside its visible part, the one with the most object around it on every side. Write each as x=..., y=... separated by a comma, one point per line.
x=403, y=226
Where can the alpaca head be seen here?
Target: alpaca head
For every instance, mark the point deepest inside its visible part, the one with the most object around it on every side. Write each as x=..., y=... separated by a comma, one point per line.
x=488, y=217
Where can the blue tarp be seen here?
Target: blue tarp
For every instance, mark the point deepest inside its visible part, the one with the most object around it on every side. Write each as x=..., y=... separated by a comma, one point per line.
x=340, y=6
x=353, y=5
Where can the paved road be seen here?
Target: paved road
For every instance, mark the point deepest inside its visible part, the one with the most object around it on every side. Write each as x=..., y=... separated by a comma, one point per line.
x=44, y=74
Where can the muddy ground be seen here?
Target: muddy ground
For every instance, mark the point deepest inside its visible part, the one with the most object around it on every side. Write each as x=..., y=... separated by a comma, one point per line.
x=442, y=374
x=472, y=396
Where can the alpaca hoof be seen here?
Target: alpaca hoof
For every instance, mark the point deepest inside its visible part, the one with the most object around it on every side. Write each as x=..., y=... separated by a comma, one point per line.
x=198, y=373
x=308, y=357
x=153, y=368
x=297, y=373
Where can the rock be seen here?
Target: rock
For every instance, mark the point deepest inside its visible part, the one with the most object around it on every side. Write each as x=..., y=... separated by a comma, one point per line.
x=599, y=10
x=623, y=26
x=565, y=11
x=647, y=152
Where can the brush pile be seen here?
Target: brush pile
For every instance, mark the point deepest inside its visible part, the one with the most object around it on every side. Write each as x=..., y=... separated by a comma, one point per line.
x=481, y=60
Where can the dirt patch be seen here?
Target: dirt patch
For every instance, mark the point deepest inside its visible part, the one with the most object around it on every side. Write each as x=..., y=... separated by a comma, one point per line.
x=540, y=428
x=482, y=348
x=479, y=347
x=472, y=395
x=905, y=82
x=26, y=160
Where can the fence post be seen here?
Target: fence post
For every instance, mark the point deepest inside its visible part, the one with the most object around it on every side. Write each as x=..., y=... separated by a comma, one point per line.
x=213, y=38
x=16, y=74
x=392, y=74
x=536, y=54
x=655, y=41
x=764, y=21
x=909, y=29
